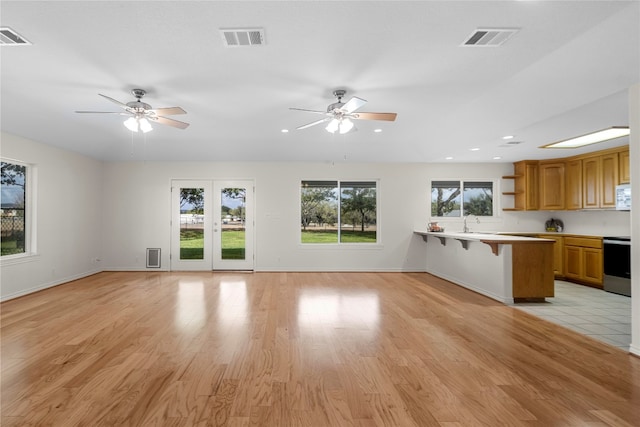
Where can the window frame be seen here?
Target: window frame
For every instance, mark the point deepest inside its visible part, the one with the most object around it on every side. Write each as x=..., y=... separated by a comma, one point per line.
x=30, y=209
x=339, y=189
x=461, y=182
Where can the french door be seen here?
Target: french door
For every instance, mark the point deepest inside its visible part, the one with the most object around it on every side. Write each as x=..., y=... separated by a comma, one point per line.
x=212, y=225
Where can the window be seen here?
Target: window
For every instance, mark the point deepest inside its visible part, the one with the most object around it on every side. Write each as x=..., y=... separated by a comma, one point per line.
x=338, y=211
x=459, y=198
x=14, y=209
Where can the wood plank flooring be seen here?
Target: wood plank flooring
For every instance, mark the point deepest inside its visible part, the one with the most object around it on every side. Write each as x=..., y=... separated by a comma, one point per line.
x=299, y=349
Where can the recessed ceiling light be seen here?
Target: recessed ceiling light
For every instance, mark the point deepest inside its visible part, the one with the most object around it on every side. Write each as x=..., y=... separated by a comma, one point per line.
x=474, y=149
x=448, y=158
x=285, y=131
x=377, y=130
x=591, y=138
x=496, y=157
x=508, y=137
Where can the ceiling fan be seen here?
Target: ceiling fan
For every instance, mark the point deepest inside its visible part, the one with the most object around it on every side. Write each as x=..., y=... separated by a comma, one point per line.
x=141, y=113
x=339, y=114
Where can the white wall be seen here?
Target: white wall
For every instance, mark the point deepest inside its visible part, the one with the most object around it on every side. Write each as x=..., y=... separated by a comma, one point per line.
x=69, y=219
x=142, y=190
x=403, y=196
x=634, y=147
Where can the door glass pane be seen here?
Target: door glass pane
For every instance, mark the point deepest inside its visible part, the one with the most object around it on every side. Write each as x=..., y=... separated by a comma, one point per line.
x=192, y=223
x=233, y=216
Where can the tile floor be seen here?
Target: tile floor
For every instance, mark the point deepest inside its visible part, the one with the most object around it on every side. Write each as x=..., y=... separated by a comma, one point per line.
x=593, y=312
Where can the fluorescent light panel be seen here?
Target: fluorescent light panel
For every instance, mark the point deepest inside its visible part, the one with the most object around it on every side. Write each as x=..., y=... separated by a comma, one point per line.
x=591, y=138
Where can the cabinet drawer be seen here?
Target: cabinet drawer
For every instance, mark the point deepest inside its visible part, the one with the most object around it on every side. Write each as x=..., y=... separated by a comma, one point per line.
x=584, y=242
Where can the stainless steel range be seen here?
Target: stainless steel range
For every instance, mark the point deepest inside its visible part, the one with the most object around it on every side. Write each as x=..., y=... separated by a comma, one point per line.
x=617, y=265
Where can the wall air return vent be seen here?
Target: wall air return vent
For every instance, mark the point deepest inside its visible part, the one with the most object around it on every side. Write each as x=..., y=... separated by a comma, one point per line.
x=153, y=258
x=8, y=37
x=489, y=37
x=241, y=37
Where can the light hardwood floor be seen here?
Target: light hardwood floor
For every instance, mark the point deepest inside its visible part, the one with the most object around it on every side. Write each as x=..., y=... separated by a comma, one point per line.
x=299, y=349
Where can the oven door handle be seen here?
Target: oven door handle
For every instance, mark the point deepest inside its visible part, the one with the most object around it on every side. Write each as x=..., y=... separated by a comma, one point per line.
x=616, y=242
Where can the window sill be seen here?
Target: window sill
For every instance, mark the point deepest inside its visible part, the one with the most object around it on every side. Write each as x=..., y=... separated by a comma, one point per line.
x=341, y=246
x=18, y=259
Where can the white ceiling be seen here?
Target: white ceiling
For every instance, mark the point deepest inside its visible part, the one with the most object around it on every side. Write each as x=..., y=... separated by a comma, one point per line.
x=565, y=73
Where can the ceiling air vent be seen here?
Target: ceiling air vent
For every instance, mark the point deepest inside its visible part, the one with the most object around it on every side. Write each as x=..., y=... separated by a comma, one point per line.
x=239, y=37
x=8, y=37
x=511, y=143
x=489, y=37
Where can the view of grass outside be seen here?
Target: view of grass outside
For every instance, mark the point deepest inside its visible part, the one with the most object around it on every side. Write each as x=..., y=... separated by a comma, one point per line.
x=347, y=236
x=192, y=244
x=233, y=244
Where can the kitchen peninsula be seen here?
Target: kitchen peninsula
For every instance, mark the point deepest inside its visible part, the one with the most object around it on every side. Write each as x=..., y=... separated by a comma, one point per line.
x=506, y=268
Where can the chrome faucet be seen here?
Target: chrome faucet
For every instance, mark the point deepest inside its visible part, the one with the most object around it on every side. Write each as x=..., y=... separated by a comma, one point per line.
x=465, y=228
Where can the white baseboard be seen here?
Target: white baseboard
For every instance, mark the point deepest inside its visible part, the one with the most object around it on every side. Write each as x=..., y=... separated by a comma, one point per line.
x=48, y=285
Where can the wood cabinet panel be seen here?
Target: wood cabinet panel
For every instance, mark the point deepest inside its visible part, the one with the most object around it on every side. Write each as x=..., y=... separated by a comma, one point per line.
x=531, y=190
x=573, y=176
x=624, y=175
x=593, y=265
x=558, y=253
x=591, y=182
x=583, y=260
x=572, y=262
x=525, y=186
x=552, y=185
x=608, y=180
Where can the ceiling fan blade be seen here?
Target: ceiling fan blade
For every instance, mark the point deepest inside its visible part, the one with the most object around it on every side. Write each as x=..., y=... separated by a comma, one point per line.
x=115, y=101
x=308, y=111
x=168, y=111
x=308, y=125
x=104, y=112
x=170, y=122
x=390, y=117
x=353, y=104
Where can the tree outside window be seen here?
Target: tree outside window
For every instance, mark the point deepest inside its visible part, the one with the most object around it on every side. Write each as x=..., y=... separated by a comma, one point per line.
x=13, y=210
x=338, y=211
x=461, y=198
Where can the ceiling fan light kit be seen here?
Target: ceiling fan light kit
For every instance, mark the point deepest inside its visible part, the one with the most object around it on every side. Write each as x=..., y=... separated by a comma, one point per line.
x=340, y=114
x=134, y=124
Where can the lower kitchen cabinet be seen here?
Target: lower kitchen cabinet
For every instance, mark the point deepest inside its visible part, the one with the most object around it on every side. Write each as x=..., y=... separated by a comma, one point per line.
x=583, y=260
x=558, y=253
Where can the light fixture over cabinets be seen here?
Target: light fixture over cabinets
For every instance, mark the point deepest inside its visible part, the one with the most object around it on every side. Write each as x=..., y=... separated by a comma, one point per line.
x=591, y=138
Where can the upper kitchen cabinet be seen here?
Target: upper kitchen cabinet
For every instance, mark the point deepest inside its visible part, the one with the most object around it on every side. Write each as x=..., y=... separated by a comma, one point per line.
x=624, y=174
x=591, y=182
x=599, y=180
x=573, y=179
x=609, y=180
x=580, y=182
x=552, y=185
x=525, y=186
